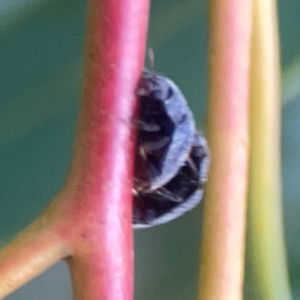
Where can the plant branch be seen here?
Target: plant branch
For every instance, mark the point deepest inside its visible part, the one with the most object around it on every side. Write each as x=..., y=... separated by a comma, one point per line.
x=102, y=170
x=32, y=252
x=266, y=229
x=91, y=218
x=222, y=253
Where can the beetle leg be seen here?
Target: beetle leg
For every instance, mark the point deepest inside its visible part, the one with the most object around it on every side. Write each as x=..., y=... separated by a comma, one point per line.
x=142, y=125
x=161, y=191
x=142, y=153
x=193, y=166
x=155, y=145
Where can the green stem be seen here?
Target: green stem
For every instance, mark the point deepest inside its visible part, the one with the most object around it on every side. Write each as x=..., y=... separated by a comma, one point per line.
x=266, y=226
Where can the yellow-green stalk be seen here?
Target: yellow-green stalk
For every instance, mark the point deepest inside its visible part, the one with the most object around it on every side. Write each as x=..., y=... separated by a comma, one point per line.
x=268, y=255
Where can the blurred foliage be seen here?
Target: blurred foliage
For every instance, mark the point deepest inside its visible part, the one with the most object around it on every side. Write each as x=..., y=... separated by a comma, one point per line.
x=41, y=51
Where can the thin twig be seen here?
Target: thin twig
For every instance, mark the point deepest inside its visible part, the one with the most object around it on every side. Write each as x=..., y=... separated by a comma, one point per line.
x=267, y=249
x=222, y=253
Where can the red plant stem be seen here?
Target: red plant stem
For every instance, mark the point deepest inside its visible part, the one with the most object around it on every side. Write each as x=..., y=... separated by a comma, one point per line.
x=90, y=220
x=102, y=169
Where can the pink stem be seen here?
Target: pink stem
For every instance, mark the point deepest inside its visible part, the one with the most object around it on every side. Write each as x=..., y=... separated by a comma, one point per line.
x=90, y=220
x=102, y=169
x=223, y=242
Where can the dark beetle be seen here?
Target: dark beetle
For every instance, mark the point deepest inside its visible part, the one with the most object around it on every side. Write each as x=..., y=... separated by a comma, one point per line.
x=181, y=194
x=172, y=158
x=166, y=131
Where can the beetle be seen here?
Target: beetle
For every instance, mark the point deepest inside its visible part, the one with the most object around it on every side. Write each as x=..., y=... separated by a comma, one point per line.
x=166, y=130
x=181, y=194
x=172, y=158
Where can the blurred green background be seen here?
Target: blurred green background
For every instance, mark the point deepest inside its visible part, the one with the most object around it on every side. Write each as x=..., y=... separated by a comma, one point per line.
x=41, y=50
